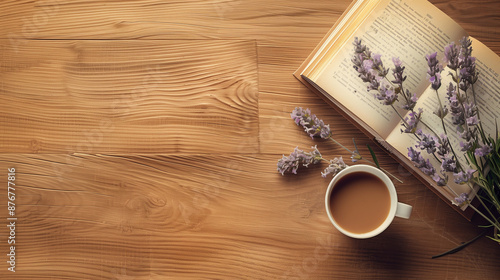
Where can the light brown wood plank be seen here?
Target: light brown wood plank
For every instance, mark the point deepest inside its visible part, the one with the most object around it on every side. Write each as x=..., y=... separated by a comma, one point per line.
x=282, y=21
x=168, y=19
x=157, y=96
x=187, y=217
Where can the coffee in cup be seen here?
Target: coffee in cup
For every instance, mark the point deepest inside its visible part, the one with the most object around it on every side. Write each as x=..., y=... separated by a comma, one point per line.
x=361, y=202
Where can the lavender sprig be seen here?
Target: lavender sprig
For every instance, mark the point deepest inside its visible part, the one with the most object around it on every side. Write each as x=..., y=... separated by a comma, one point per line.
x=434, y=70
x=291, y=163
x=371, y=71
x=315, y=127
x=311, y=124
x=336, y=165
x=466, y=65
x=411, y=122
x=298, y=157
x=425, y=166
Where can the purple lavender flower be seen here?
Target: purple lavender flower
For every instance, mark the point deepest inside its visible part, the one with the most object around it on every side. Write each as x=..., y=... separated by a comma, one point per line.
x=427, y=142
x=470, y=112
x=411, y=101
x=292, y=162
x=448, y=163
x=483, y=151
x=472, y=120
x=443, y=151
x=443, y=145
x=425, y=166
x=434, y=70
x=467, y=65
x=438, y=179
x=451, y=53
x=456, y=109
x=336, y=165
x=359, y=47
x=462, y=198
x=464, y=177
x=370, y=67
x=311, y=124
x=412, y=121
x=465, y=47
x=398, y=71
x=468, y=137
x=300, y=115
x=355, y=156
x=399, y=77
x=373, y=81
x=386, y=95
x=377, y=61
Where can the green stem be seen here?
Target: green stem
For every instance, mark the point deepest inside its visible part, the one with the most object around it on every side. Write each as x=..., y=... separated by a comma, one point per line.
x=444, y=129
x=477, y=112
x=484, y=216
x=441, y=109
x=495, y=223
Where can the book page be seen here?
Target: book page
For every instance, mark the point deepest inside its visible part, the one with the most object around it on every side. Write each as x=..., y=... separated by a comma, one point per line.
x=398, y=28
x=487, y=91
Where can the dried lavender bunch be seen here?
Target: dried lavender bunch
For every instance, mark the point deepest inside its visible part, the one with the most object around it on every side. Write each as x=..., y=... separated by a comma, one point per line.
x=371, y=70
x=480, y=150
x=412, y=122
x=316, y=128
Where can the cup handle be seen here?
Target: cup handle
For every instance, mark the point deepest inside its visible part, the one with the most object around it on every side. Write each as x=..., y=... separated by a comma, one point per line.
x=403, y=210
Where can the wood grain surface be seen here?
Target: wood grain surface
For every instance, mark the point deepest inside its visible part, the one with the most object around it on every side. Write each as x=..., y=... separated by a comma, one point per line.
x=145, y=137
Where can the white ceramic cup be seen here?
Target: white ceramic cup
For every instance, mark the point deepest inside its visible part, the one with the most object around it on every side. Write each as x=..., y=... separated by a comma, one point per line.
x=397, y=209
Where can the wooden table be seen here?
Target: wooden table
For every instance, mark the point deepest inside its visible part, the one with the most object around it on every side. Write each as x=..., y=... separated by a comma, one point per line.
x=145, y=136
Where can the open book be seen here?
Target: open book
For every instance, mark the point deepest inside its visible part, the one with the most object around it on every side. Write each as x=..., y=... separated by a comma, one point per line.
x=409, y=30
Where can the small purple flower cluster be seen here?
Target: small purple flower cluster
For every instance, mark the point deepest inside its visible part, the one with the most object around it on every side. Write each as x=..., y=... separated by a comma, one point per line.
x=298, y=157
x=315, y=128
x=311, y=124
x=336, y=165
x=440, y=147
x=483, y=151
x=434, y=70
x=461, y=199
x=371, y=70
x=411, y=121
x=462, y=61
x=463, y=116
x=292, y=162
x=425, y=166
x=463, y=177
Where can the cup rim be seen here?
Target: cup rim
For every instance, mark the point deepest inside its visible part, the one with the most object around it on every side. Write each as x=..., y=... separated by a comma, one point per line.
x=392, y=193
